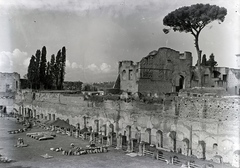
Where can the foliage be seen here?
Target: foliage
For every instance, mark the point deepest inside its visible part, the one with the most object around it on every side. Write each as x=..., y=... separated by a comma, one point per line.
x=89, y=87
x=31, y=75
x=48, y=75
x=57, y=66
x=192, y=19
x=77, y=85
x=42, y=68
x=204, y=60
x=211, y=62
x=62, y=67
x=52, y=72
x=37, y=70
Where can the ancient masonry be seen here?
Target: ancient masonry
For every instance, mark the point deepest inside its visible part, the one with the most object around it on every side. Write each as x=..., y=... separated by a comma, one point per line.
x=193, y=123
x=203, y=122
x=167, y=70
x=9, y=86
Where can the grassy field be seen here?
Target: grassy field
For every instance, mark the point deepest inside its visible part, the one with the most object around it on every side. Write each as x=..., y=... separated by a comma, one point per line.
x=30, y=157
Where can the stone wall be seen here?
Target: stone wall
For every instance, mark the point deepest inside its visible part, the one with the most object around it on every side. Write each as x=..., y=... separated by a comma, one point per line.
x=208, y=125
x=129, y=75
x=10, y=82
x=233, y=81
x=9, y=86
x=162, y=71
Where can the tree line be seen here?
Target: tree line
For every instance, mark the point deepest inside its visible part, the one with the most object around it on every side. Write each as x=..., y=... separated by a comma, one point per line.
x=43, y=74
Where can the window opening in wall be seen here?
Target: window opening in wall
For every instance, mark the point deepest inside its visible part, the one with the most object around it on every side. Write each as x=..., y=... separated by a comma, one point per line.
x=236, y=90
x=124, y=75
x=130, y=77
x=225, y=78
x=180, y=84
x=7, y=88
x=16, y=84
x=205, y=78
x=216, y=74
x=215, y=148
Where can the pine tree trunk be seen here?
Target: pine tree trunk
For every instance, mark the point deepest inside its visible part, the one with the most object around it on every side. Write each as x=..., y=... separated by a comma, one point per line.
x=199, y=52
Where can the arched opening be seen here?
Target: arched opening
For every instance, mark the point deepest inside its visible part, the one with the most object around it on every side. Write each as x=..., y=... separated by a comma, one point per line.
x=85, y=121
x=180, y=83
x=202, y=150
x=104, y=130
x=96, y=122
x=111, y=128
x=173, y=138
x=34, y=113
x=148, y=135
x=185, y=147
x=159, y=138
x=215, y=148
x=49, y=117
x=53, y=117
x=124, y=75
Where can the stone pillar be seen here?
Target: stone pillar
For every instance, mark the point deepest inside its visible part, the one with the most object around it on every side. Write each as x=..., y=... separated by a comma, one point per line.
x=143, y=148
x=119, y=142
x=131, y=148
x=110, y=138
x=140, y=147
x=77, y=133
x=129, y=145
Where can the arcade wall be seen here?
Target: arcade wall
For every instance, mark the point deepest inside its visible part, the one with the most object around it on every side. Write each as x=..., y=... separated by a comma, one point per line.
x=210, y=124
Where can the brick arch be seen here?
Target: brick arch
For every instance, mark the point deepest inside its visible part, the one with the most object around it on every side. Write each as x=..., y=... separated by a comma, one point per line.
x=148, y=135
x=159, y=136
x=185, y=146
x=96, y=125
x=173, y=140
x=201, y=149
x=124, y=75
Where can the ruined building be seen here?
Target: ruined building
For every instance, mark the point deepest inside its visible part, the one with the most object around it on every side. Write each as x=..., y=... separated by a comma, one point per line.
x=162, y=71
x=166, y=70
x=9, y=86
x=201, y=122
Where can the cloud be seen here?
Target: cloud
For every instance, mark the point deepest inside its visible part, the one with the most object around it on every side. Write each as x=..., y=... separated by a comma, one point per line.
x=105, y=67
x=93, y=68
x=73, y=65
x=14, y=61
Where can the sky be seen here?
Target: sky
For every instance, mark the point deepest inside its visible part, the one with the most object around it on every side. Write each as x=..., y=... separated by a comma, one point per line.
x=99, y=33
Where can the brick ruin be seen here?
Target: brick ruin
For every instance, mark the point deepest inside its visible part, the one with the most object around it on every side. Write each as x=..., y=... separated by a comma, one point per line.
x=196, y=123
x=166, y=70
x=173, y=115
x=9, y=85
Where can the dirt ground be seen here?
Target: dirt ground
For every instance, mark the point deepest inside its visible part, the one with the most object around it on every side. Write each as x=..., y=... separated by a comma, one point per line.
x=30, y=157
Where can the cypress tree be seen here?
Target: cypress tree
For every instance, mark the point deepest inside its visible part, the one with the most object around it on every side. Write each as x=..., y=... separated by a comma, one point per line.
x=57, y=68
x=48, y=76
x=31, y=75
x=37, y=68
x=63, y=64
x=52, y=73
x=42, y=68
